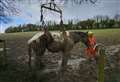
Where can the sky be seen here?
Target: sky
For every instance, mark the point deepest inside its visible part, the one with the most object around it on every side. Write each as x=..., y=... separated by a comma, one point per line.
x=30, y=13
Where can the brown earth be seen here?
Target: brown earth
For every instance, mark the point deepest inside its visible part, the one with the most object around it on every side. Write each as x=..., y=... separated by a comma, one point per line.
x=77, y=70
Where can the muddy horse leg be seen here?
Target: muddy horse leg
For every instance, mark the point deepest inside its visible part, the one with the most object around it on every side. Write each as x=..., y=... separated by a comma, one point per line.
x=41, y=47
x=63, y=67
x=64, y=60
x=38, y=62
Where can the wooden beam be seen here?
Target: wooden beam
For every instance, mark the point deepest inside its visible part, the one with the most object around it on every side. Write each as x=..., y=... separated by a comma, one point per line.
x=59, y=11
x=101, y=66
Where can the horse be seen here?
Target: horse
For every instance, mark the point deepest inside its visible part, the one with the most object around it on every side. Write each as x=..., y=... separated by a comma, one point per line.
x=46, y=41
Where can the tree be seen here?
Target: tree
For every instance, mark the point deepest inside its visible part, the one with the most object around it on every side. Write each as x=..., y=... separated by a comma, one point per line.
x=97, y=20
x=82, y=24
x=111, y=23
x=117, y=17
x=70, y=24
x=90, y=23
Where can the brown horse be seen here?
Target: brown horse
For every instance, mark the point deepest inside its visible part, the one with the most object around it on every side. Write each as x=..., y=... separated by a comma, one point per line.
x=64, y=45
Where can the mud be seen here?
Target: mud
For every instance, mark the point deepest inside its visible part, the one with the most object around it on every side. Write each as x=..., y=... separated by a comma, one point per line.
x=78, y=68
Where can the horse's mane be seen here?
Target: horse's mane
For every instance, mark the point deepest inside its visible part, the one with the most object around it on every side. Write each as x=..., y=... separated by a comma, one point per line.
x=49, y=37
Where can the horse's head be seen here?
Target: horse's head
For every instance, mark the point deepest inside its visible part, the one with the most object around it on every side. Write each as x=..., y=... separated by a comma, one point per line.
x=79, y=36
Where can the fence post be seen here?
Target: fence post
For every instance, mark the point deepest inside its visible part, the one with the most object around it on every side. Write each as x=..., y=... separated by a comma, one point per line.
x=4, y=52
x=101, y=65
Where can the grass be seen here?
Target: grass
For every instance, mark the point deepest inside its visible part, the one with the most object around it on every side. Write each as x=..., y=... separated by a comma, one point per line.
x=105, y=36
x=108, y=36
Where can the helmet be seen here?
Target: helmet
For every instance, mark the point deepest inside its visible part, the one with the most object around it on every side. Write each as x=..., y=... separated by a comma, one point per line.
x=90, y=33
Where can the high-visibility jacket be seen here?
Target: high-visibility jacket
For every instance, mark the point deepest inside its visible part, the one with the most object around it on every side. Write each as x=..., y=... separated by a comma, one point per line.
x=90, y=51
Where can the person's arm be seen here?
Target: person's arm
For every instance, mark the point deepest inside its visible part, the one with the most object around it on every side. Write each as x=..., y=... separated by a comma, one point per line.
x=95, y=41
x=92, y=42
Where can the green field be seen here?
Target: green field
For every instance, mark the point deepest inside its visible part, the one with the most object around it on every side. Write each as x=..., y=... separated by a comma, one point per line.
x=106, y=36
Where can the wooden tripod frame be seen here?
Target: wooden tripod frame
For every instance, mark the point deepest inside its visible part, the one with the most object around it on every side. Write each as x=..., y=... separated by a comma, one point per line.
x=52, y=7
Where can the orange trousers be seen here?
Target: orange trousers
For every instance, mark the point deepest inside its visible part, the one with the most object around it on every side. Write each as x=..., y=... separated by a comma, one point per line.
x=90, y=53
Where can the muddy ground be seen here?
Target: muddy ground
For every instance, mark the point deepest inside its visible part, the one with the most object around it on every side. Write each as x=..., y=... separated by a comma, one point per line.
x=78, y=69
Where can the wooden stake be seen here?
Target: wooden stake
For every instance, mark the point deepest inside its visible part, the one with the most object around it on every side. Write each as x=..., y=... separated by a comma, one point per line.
x=101, y=65
x=5, y=53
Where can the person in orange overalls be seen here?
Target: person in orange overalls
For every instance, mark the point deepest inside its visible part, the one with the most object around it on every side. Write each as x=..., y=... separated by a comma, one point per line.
x=90, y=50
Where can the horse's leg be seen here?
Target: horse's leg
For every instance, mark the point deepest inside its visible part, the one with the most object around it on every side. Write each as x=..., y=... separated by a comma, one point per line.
x=65, y=58
x=41, y=47
x=67, y=47
x=38, y=61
